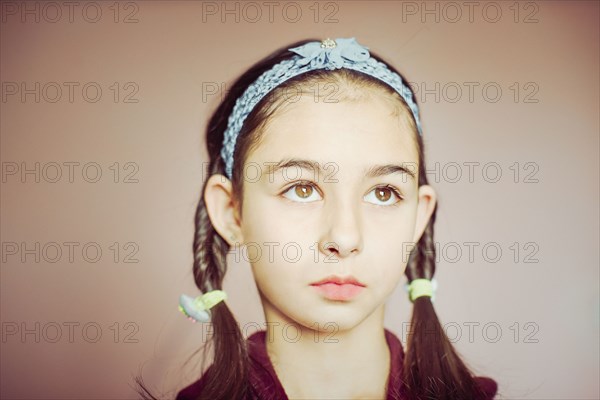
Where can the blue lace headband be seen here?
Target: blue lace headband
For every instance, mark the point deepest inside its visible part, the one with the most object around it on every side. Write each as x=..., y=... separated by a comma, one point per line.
x=327, y=54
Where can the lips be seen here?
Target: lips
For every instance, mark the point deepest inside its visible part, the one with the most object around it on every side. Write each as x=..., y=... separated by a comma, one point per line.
x=338, y=288
x=339, y=281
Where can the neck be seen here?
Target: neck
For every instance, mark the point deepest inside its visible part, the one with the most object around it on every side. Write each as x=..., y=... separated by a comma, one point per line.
x=353, y=363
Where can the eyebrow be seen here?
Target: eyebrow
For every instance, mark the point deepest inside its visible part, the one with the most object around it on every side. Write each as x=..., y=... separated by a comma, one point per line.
x=370, y=172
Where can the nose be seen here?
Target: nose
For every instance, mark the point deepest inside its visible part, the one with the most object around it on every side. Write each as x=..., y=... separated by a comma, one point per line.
x=343, y=230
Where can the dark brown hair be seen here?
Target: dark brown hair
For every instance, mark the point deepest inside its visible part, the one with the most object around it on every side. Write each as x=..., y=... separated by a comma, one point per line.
x=432, y=368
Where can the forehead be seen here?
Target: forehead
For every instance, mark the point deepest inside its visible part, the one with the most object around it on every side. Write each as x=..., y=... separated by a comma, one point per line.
x=352, y=134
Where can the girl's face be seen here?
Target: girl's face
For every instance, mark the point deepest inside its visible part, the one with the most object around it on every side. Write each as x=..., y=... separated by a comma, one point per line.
x=302, y=225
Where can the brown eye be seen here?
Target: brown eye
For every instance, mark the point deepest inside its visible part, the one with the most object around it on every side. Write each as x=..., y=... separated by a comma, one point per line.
x=302, y=193
x=384, y=196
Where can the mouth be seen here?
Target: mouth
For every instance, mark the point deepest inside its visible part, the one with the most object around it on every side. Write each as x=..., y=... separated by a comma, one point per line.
x=338, y=288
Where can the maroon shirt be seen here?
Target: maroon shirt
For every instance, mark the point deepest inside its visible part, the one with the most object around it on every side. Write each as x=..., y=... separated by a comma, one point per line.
x=264, y=381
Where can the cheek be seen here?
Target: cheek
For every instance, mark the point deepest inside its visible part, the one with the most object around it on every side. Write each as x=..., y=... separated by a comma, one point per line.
x=265, y=235
x=389, y=243
x=391, y=228
x=398, y=246
x=269, y=232
x=275, y=279
x=259, y=222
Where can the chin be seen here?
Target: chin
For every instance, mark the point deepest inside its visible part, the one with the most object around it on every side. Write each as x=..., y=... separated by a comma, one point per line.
x=332, y=320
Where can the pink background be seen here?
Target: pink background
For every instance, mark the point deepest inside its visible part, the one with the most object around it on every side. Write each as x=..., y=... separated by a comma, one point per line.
x=175, y=53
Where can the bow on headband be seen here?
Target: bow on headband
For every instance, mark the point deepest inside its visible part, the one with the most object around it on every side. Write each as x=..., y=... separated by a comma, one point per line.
x=330, y=53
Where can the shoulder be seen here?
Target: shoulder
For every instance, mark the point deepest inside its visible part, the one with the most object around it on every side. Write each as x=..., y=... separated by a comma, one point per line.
x=488, y=387
x=259, y=373
x=192, y=392
x=195, y=390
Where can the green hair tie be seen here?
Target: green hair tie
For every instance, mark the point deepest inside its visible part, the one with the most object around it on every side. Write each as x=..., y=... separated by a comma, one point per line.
x=198, y=309
x=421, y=287
x=208, y=300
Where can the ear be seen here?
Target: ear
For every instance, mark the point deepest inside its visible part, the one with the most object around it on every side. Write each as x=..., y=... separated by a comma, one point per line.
x=426, y=205
x=222, y=209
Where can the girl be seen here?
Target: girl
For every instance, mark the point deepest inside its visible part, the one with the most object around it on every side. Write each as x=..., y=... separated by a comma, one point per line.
x=317, y=170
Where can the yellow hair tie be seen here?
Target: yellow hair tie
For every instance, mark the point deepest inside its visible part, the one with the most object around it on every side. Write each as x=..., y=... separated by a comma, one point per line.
x=198, y=309
x=208, y=300
x=420, y=287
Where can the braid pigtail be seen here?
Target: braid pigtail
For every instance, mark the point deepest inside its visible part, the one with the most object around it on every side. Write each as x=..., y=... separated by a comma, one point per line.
x=432, y=367
x=227, y=377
